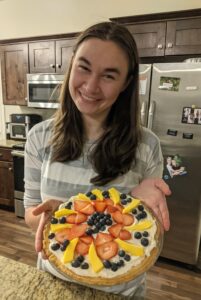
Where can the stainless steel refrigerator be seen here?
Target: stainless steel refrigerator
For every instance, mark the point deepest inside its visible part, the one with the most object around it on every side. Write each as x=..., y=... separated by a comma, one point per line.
x=173, y=111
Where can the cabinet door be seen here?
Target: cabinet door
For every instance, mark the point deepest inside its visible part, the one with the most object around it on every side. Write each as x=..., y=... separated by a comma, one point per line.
x=149, y=37
x=183, y=37
x=6, y=183
x=42, y=57
x=64, y=50
x=14, y=67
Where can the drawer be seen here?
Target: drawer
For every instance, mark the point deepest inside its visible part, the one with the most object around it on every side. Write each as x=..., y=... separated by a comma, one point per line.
x=5, y=154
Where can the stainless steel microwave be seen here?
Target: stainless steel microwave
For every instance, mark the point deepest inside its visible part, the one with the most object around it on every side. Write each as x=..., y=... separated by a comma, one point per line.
x=43, y=90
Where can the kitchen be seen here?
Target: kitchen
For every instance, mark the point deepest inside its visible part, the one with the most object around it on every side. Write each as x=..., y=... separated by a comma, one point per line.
x=74, y=26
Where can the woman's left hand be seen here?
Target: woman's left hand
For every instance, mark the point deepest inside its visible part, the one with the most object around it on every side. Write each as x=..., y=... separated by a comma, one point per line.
x=153, y=192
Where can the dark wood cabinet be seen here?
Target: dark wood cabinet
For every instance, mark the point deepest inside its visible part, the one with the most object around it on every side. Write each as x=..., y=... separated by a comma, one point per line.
x=183, y=37
x=14, y=67
x=50, y=56
x=150, y=38
x=6, y=177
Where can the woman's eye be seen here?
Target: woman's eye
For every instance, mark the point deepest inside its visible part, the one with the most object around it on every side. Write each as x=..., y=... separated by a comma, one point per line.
x=84, y=68
x=109, y=76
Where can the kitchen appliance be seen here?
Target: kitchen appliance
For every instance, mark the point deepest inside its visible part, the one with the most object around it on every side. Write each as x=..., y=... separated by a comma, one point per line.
x=43, y=90
x=20, y=124
x=18, y=169
x=174, y=114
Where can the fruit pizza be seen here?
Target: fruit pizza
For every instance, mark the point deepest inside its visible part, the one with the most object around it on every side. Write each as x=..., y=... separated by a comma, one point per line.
x=102, y=238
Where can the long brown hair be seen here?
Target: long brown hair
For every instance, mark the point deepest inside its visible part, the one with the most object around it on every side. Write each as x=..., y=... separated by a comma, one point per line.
x=115, y=150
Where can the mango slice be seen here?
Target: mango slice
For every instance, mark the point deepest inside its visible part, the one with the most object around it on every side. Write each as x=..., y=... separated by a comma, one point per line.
x=140, y=226
x=81, y=196
x=63, y=212
x=132, y=205
x=57, y=227
x=114, y=195
x=132, y=249
x=94, y=260
x=69, y=252
x=98, y=194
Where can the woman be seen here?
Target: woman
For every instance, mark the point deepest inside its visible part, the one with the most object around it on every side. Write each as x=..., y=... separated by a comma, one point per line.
x=95, y=138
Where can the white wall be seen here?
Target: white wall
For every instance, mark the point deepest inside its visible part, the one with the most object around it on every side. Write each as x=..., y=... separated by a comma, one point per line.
x=22, y=18
x=27, y=18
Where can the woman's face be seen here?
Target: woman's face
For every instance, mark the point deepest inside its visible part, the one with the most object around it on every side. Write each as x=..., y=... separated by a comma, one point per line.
x=98, y=75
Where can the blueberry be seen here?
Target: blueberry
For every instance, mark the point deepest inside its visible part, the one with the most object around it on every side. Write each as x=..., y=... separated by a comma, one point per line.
x=103, y=228
x=89, y=231
x=121, y=253
x=69, y=205
x=134, y=211
x=55, y=246
x=75, y=264
x=95, y=230
x=92, y=197
x=114, y=267
x=54, y=220
x=129, y=200
x=108, y=222
x=138, y=235
x=127, y=257
x=140, y=207
x=123, y=201
x=90, y=222
x=85, y=266
x=142, y=215
x=88, y=194
x=145, y=233
x=123, y=196
x=66, y=242
x=51, y=235
x=120, y=263
x=80, y=258
x=62, y=220
x=107, y=264
x=144, y=242
x=105, y=194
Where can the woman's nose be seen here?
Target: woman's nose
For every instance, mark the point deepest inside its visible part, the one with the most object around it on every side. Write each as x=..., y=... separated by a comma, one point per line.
x=92, y=84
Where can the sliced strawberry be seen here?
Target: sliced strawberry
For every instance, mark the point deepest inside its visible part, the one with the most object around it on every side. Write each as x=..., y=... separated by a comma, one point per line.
x=84, y=207
x=76, y=218
x=111, y=209
x=109, y=201
x=119, y=207
x=115, y=229
x=128, y=219
x=82, y=248
x=78, y=230
x=62, y=235
x=117, y=217
x=102, y=238
x=87, y=239
x=100, y=205
x=124, y=234
x=107, y=250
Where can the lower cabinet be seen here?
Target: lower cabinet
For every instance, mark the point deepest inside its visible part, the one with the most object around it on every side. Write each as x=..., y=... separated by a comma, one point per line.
x=6, y=177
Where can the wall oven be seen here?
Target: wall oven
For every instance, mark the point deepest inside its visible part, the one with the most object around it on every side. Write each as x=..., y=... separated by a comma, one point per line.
x=18, y=168
x=43, y=90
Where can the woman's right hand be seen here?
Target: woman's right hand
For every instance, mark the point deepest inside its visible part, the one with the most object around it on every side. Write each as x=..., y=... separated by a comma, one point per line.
x=46, y=210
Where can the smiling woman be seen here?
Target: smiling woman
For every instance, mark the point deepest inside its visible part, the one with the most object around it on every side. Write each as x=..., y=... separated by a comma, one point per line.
x=95, y=139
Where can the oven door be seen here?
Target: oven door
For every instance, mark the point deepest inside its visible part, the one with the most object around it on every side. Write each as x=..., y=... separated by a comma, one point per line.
x=18, y=167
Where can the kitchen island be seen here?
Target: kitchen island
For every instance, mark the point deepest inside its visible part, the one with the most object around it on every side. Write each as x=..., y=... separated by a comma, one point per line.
x=19, y=281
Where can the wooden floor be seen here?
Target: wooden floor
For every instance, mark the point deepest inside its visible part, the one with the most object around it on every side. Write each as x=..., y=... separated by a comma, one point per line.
x=165, y=281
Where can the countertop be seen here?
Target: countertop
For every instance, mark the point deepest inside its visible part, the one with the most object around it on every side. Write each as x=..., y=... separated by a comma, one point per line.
x=19, y=281
x=8, y=143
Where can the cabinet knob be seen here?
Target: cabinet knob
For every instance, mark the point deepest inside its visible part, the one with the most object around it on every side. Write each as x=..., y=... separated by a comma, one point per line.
x=170, y=45
x=160, y=46
x=1, y=154
x=58, y=66
x=10, y=169
x=52, y=66
x=25, y=98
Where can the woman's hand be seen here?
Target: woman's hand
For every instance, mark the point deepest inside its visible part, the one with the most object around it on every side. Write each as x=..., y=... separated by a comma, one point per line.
x=152, y=192
x=46, y=210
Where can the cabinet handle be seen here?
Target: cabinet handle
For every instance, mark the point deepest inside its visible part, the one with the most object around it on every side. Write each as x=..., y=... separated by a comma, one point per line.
x=58, y=66
x=25, y=98
x=10, y=169
x=1, y=154
x=160, y=46
x=170, y=45
x=52, y=66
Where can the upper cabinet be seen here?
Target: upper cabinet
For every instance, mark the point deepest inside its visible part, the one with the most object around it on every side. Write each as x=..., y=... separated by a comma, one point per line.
x=165, y=34
x=14, y=67
x=50, y=56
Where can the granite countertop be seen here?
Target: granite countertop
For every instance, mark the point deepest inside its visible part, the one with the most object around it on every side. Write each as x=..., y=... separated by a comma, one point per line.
x=19, y=281
x=8, y=143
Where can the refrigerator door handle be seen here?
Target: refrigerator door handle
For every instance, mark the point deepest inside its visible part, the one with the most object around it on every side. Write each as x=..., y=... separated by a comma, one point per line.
x=143, y=113
x=151, y=114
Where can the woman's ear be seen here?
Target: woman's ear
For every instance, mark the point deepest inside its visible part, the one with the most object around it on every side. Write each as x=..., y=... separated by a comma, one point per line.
x=127, y=83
